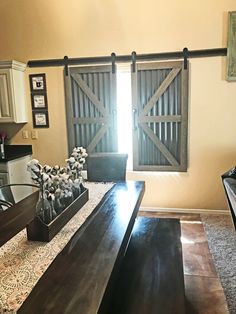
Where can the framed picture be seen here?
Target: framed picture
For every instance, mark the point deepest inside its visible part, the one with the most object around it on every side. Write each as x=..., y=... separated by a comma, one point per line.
x=39, y=100
x=231, y=47
x=37, y=82
x=40, y=119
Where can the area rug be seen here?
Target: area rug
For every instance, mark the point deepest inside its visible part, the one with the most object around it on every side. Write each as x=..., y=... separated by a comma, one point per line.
x=221, y=237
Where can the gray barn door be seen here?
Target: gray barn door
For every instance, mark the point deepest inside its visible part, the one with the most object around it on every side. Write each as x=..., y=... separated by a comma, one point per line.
x=159, y=100
x=91, y=108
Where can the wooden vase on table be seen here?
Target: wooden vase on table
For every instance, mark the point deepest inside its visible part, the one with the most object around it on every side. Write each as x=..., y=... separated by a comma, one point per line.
x=38, y=230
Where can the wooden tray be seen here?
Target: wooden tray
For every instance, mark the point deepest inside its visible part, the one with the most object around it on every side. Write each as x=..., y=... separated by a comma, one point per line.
x=37, y=230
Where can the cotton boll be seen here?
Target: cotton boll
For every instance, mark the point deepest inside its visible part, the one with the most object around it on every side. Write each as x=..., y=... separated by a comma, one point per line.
x=33, y=162
x=80, y=166
x=58, y=192
x=45, y=177
x=74, y=154
x=35, y=169
x=72, y=160
x=34, y=176
x=65, y=176
x=51, y=197
x=62, y=170
x=51, y=189
x=82, y=160
x=47, y=168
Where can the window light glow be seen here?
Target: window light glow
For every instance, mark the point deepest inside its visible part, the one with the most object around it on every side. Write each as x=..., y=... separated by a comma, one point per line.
x=124, y=113
x=186, y=241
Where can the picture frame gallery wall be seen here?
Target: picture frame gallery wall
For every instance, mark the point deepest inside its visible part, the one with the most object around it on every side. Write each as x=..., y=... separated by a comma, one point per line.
x=39, y=103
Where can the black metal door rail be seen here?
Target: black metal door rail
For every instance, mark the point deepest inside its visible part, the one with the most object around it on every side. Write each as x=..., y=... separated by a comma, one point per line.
x=113, y=58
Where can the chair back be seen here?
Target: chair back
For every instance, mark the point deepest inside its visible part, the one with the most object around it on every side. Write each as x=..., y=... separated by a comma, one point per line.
x=106, y=167
x=6, y=197
x=9, y=193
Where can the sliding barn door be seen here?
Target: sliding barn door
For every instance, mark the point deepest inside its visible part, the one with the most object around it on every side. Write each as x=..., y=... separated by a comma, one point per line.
x=91, y=108
x=159, y=100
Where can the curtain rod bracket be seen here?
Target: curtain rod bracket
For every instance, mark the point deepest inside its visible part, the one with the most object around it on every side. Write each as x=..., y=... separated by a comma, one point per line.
x=133, y=58
x=113, y=62
x=185, y=55
x=66, y=65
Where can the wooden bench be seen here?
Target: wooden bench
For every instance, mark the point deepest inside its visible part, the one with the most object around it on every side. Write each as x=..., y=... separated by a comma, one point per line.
x=151, y=276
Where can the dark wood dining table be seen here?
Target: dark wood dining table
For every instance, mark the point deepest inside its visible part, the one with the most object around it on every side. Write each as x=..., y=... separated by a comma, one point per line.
x=80, y=277
x=16, y=217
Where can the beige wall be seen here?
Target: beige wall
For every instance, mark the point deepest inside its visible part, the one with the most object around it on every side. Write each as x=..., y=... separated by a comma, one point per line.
x=51, y=29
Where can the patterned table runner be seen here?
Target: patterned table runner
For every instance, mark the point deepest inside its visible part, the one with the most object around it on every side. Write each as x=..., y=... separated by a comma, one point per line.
x=23, y=262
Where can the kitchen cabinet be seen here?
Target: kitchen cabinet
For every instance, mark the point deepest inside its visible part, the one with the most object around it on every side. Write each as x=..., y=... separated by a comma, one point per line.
x=13, y=169
x=12, y=92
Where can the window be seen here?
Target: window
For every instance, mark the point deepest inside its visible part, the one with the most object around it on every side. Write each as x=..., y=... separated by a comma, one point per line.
x=158, y=114
x=124, y=113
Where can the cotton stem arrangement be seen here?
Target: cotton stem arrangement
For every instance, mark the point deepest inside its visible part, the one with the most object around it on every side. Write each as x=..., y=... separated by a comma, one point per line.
x=59, y=183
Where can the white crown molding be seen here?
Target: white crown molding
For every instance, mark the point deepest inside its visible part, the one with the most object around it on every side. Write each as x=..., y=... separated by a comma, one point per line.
x=13, y=64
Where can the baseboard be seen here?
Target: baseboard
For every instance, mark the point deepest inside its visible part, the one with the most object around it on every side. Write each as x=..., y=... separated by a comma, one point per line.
x=186, y=211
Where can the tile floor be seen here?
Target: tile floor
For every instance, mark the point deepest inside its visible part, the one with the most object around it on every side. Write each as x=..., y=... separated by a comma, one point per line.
x=204, y=294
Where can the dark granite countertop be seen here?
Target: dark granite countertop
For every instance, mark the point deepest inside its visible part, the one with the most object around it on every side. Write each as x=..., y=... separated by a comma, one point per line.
x=16, y=151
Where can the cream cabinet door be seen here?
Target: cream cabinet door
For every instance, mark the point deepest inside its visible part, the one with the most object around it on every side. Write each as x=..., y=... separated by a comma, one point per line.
x=12, y=92
x=6, y=110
